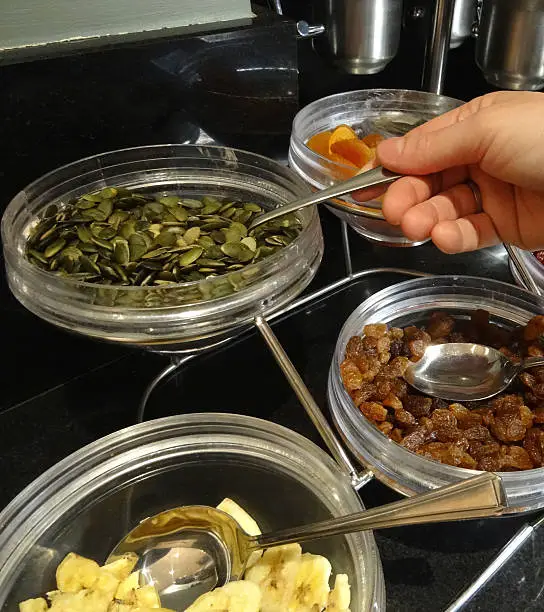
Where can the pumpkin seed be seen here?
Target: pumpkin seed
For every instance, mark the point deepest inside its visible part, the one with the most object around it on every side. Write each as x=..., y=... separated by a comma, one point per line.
x=191, y=256
x=118, y=237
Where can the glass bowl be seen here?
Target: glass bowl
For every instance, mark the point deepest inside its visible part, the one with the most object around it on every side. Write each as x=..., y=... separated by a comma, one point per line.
x=88, y=501
x=359, y=110
x=410, y=303
x=532, y=265
x=177, y=317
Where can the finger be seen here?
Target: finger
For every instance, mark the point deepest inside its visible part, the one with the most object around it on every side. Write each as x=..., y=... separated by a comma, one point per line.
x=462, y=112
x=455, y=203
x=424, y=152
x=466, y=234
x=411, y=190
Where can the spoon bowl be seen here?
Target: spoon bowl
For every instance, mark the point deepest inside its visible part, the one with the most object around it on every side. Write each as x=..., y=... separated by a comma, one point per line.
x=187, y=551
x=465, y=372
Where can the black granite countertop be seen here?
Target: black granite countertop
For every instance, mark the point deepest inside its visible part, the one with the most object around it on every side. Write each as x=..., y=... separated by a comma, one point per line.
x=62, y=391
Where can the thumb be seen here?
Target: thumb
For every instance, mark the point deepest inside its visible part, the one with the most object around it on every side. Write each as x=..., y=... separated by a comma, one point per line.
x=426, y=151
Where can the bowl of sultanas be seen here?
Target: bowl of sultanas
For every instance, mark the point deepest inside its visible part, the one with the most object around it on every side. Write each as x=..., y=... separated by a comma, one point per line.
x=415, y=443
x=151, y=246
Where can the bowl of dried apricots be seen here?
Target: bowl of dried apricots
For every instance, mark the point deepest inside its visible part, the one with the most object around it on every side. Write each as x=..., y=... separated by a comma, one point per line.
x=336, y=137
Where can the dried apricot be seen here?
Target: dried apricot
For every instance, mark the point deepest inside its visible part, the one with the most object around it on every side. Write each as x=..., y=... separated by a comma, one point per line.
x=354, y=150
x=342, y=132
x=319, y=143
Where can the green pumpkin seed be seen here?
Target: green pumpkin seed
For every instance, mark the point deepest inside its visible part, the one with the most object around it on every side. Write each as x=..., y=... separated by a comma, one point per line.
x=92, y=197
x=192, y=204
x=54, y=248
x=108, y=193
x=250, y=242
x=191, y=256
x=238, y=251
x=253, y=208
x=191, y=235
x=121, y=251
x=117, y=237
x=84, y=233
x=137, y=246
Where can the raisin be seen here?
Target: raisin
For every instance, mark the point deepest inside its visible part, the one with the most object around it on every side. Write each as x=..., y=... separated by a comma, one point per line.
x=384, y=357
x=534, y=445
x=440, y=325
x=385, y=427
x=392, y=401
x=538, y=373
x=477, y=432
x=375, y=330
x=515, y=458
x=417, y=341
x=397, y=348
x=508, y=429
x=448, y=453
x=526, y=416
x=448, y=434
x=534, y=329
x=384, y=387
x=479, y=450
x=507, y=405
x=395, y=333
x=354, y=348
x=404, y=418
x=527, y=379
x=351, y=375
x=538, y=415
x=366, y=391
x=368, y=366
x=418, y=405
x=535, y=350
x=415, y=439
x=373, y=411
x=465, y=418
x=490, y=463
x=395, y=368
x=370, y=346
x=443, y=418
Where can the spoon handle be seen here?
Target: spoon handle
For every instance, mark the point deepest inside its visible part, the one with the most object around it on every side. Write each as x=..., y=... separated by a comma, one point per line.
x=477, y=497
x=371, y=178
x=309, y=404
x=531, y=362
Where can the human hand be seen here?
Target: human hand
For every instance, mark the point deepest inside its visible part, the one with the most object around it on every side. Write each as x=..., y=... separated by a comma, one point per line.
x=496, y=141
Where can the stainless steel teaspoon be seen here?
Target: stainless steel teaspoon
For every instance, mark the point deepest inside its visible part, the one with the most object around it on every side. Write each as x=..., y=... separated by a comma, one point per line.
x=465, y=372
x=190, y=550
x=371, y=178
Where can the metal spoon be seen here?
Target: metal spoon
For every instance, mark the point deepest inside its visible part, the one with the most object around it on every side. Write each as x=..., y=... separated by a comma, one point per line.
x=371, y=178
x=465, y=372
x=187, y=551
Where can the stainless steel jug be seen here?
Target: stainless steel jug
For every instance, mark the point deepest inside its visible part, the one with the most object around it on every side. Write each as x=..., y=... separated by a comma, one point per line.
x=361, y=36
x=510, y=45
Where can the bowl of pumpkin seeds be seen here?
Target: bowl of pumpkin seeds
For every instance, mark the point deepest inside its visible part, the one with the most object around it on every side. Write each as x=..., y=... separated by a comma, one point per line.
x=150, y=245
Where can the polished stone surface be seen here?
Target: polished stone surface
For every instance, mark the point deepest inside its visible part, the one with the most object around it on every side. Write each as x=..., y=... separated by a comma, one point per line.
x=61, y=391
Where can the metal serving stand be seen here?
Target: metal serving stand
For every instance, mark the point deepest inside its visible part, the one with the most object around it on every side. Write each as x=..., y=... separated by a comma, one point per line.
x=433, y=81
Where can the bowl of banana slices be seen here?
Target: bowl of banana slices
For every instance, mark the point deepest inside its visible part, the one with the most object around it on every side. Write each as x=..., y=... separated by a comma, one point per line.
x=58, y=532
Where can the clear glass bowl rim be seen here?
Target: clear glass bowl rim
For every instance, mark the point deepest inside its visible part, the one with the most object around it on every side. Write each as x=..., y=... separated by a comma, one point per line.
x=33, y=505
x=307, y=111
x=13, y=207
x=519, y=483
